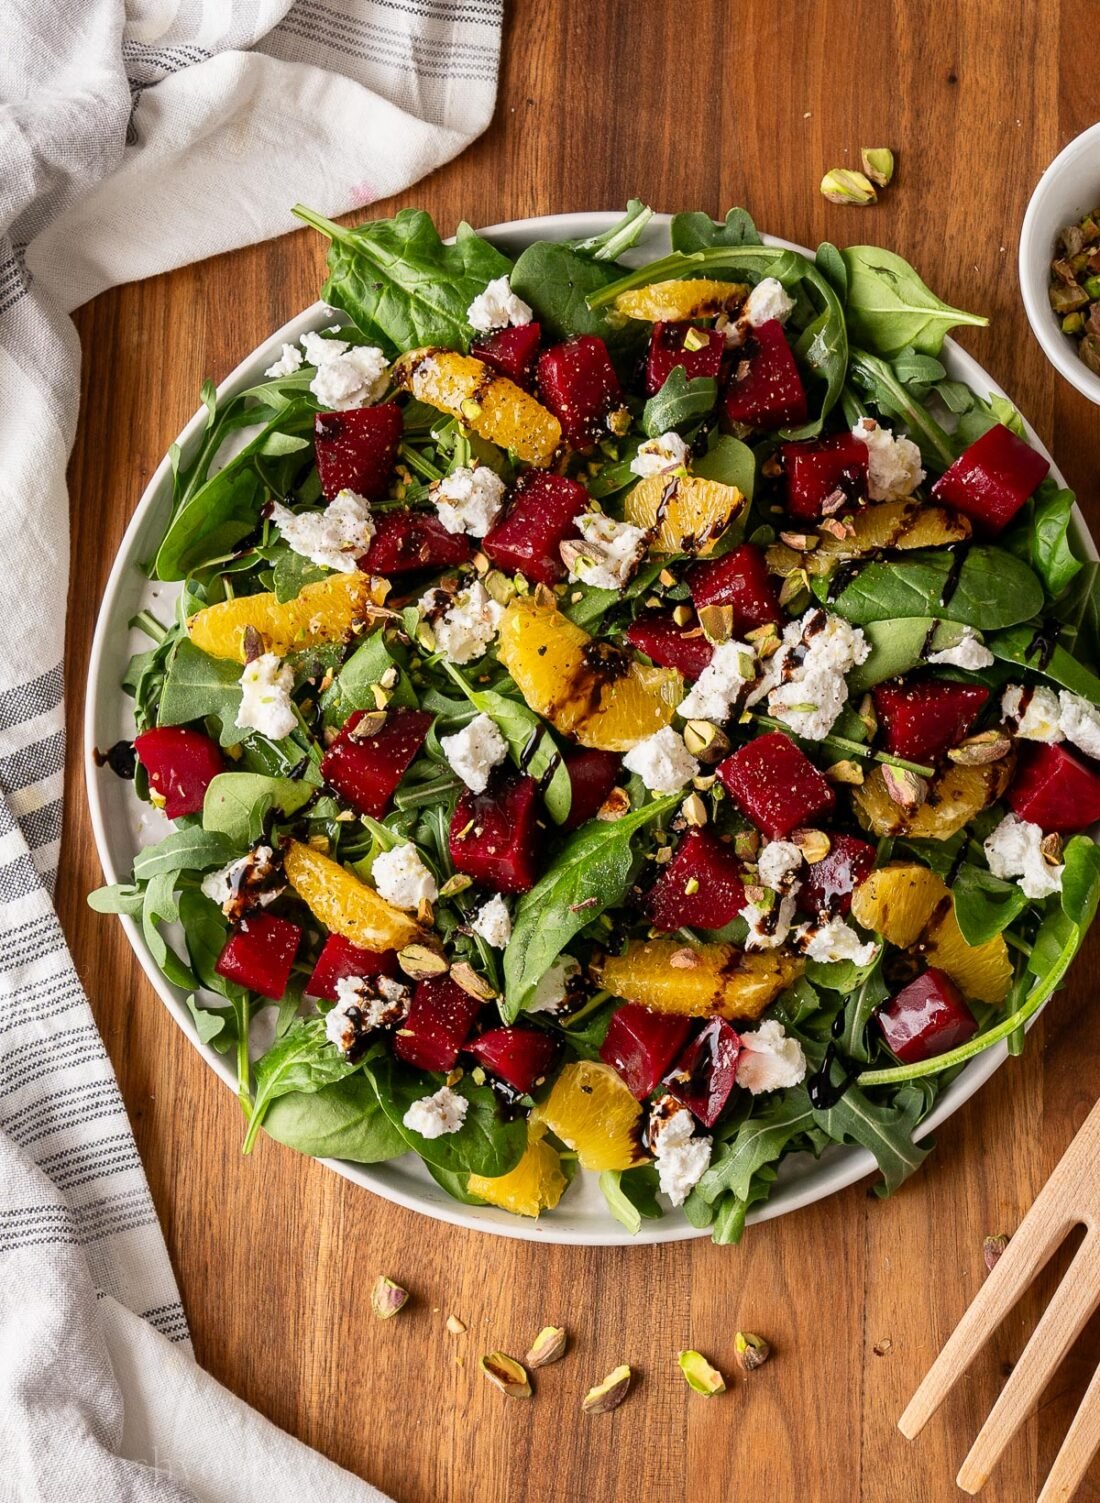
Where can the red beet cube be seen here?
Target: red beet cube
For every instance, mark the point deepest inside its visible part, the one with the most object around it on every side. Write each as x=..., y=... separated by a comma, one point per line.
x=522, y=1057
x=357, y=450
x=592, y=775
x=671, y=646
x=816, y=471
x=540, y=516
x=926, y=1018
x=775, y=785
x=765, y=390
x=495, y=834
x=365, y=771
x=578, y=383
x=1055, y=788
x=440, y=1017
x=739, y=578
x=827, y=886
x=260, y=953
x=993, y=478
x=922, y=721
x=406, y=540
x=701, y=886
x=641, y=1045
x=706, y=1072
x=512, y=352
x=668, y=350
x=180, y=764
x=341, y=959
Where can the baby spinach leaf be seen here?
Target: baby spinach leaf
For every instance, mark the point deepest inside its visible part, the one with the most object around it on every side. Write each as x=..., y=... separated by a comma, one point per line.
x=196, y=686
x=761, y=1139
x=984, y=413
x=899, y=645
x=236, y=803
x=993, y=589
x=597, y=861
x=344, y=1120
x=730, y=462
x=889, y=307
x=292, y=573
x=830, y=263
x=352, y=688
x=887, y=1131
x=485, y=1144
x=1041, y=535
x=622, y=235
x=631, y=1196
x=695, y=231
x=189, y=849
x=302, y=1060
x=557, y=281
x=455, y=1184
x=594, y=602
x=1081, y=881
x=1025, y=645
x=206, y=930
x=984, y=904
x=679, y=402
x=878, y=381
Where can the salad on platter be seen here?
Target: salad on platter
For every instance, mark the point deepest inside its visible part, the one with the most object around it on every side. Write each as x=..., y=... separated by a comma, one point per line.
x=636, y=720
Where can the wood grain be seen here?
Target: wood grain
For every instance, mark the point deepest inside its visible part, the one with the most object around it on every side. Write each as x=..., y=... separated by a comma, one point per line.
x=687, y=104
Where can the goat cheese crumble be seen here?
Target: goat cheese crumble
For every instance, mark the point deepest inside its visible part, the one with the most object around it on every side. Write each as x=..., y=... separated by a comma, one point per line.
x=347, y=375
x=1034, y=713
x=497, y=307
x=265, y=697
x=252, y=881
x=834, y=941
x=661, y=456
x=1080, y=723
x=721, y=683
x=469, y=500
x=475, y=750
x=333, y=538
x=893, y=464
x=769, y=1060
x=363, y=1004
x=609, y=553
x=552, y=990
x=662, y=761
x=493, y=922
x=401, y=877
x=1014, y=849
x=777, y=863
x=288, y=362
x=768, y=300
x=467, y=623
x=681, y=1159
x=804, y=679
x=435, y=1116
x=769, y=927
x=968, y=652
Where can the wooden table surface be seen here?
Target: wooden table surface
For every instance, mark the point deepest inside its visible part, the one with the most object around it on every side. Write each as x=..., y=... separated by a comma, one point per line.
x=689, y=105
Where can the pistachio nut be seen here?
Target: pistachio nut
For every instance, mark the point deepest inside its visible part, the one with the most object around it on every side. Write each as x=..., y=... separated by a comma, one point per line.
x=387, y=1298
x=700, y=1376
x=548, y=1346
x=705, y=741
x=419, y=962
x=878, y=164
x=507, y=1374
x=752, y=1351
x=906, y=789
x=610, y=1393
x=843, y=185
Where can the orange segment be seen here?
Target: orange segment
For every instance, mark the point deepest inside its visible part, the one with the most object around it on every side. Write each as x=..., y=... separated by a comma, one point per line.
x=687, y=513
x=328, y=611
x=889, y=524
x=585, y=688
x=536, y=1184
x=345, y=905
x=953, y=800
x=699, y=980
x=494, y=407
x=592, y=1112
x=699, y=297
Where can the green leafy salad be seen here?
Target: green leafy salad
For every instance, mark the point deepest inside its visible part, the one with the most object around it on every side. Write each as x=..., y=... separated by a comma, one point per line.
x=631, y=718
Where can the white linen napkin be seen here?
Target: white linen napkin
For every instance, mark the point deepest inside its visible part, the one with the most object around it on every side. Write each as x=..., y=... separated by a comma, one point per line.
x=135, y=137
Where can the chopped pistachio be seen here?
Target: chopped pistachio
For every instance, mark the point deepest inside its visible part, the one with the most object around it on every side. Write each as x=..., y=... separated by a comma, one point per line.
x=682, y=615
x=842, y=185
x=464, y=975
x=705, y=741
x=752, y=1350
x=700, y=1376
x=691, y=886
x=746, y=843
x=667, y=578
x=614, y=806
x=906, y=789
x=993, y=1248
x=815, y=845
x=418, y=962
x=694, y=810
x=387, y=1298
x=981, y=750
x=878, y=164
x=845, y=771
x=456, y=884
x=470, y=409
x=455, y=1326
x=717, y=622
x=694, y=339
x=801, y=542
x=507, y=1374
x=548, y=1346
x=368, y=725
x=683, y=960
x=610, y=1393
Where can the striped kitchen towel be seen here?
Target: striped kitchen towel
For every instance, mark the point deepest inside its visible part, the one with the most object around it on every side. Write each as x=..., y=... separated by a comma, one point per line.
x=135, y=138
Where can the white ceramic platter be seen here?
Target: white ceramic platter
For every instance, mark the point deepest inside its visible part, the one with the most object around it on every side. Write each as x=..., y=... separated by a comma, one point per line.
x=123, y=825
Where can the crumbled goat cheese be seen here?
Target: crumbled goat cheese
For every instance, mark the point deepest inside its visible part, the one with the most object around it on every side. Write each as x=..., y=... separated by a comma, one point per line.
x=469, y=500
x=265, y=697
x=660, y=456
x=552, y=990
x=287, y=363
x=497, y=307
x=1014, y=850
x=475, y=750
x=402, y=878
x=777, y=863
x=804, y=679
x=493, y=922
x=769, y=1060
x=968, y=652
x=468, y=622
x=893, y=464
x=767, y=300
x=721, y=683
x=770, y=927
x=835, y=940
x=333, y=538
x=347, y=375
x=252, y=881
x=369, y=1003
x=434, y=1116
x=1034, y=713
x=681, y=1158
x=609, y=554
x=662, y=761
x=1080, y=722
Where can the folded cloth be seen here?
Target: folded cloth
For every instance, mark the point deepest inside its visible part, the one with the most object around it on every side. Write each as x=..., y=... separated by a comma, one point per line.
x=135, y=137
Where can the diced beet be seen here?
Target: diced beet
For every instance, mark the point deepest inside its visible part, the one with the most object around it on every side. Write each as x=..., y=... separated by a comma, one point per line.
x=181, y=765
x=495, y=834
x=926, y=1018
x=357, y=450
x=440, y=1017
x=512, y=352
x=816, y=471
x=706, y=1072
x=765, y=390
x=540, y=516
x=700, y=888
x=341, y=959
x=993, y=478
x=260, y=953
x=668, y=350
x=775, y=785
x=641, y=1045
x=406, y=540
x=592, y=775
x=523, y=1057
x=922, y=721
x=365, y=771
x=1054, y=788
x=670, y=646
x=827, y=886
x=740, y=578
x=578, y=383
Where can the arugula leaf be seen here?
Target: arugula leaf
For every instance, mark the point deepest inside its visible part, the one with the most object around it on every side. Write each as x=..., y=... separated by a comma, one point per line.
x=622, y=235
x=889, y=307
x=119, y=897
x=830, y=263
x=303, y=1060
x=161, y=907
x=887, y=1131
x=210, y=1024
x=236, y=803
x=517, y=724
x=679, y=402
x=1025, y=646
x=189, y=849
x=197, y=686
x=631, y=1196
x=761, y=1139
x=343, y=1120
x=485, y=1144
x=695, y=231
x=596, y=862
x=994, y=589
x=879, y=382
x=984, y=904
x=292, y=573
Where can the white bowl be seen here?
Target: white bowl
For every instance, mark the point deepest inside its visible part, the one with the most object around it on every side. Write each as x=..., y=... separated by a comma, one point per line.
x=1067, y=191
